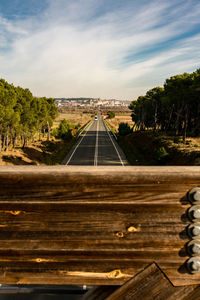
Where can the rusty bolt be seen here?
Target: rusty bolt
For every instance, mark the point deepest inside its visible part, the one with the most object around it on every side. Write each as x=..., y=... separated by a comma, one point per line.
x=193, y=265
x=194, y=195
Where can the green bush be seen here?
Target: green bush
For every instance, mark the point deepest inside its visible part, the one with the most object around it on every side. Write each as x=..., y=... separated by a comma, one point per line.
x=63, y=131
x=124, y=129
x=111, y=114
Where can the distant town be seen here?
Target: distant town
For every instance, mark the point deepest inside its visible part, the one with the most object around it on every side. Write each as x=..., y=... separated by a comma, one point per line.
x=90, y=102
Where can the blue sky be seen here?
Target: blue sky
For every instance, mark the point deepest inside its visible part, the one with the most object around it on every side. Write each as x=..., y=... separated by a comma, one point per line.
x=97, y=48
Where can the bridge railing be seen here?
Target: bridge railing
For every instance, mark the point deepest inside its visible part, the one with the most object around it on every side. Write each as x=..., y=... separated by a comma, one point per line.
x=94, y=225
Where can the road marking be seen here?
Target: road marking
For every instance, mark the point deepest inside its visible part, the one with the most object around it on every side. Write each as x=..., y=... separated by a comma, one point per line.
x=96, y=146
x=114, y=145
x=112, y=131
x=78, y=144
x=84, y=128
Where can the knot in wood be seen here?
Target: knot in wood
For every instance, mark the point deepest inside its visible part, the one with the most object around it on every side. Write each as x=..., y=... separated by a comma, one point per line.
x=120, y=234
x=115, y=274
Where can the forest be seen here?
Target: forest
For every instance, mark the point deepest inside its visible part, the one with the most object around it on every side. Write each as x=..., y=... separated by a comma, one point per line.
x=174, y=108
x=23, y=117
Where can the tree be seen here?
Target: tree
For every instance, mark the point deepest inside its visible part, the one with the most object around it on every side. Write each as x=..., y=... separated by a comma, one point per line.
x=111, y=114
x=124, y=129
x=174, y=108
x=22, y=115
x=64, y=131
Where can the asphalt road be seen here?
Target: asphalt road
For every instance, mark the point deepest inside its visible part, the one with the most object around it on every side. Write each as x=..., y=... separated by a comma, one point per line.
x=97, y=146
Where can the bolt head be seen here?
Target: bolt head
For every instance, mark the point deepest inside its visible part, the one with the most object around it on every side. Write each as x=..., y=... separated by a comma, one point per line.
x=195, y=230
x=196, y=213
x=195, y=248
x=193, y=265
x=194, y=195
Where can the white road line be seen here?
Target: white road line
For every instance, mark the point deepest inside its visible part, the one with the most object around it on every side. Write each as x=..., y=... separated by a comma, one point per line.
x=114, y=145
x=84, y=128
x=78, y=144
x=112, y=132
x=96, y=146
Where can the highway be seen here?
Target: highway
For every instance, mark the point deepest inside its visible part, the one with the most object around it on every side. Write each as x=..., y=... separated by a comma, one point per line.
x=96, y=147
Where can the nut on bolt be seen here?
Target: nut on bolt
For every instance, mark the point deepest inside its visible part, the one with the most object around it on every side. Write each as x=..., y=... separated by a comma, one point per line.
x=194, y=212
x=193, y=265
x=194, y=230
x=193, y=248
x=194, y=195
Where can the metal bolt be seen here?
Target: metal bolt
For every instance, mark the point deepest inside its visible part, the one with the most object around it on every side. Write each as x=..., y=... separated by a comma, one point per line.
x=193, y=265
x=196, y=249
x=193, y=247
x=194, y=195
x=194, y=212
x=194, y=230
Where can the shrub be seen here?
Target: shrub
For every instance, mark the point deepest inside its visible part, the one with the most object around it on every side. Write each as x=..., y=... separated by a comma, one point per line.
x=111, y=114
x=63, y=131
x=124, y=129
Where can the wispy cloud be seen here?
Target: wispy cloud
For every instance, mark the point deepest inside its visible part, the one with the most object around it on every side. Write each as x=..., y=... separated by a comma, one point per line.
x=100, y=48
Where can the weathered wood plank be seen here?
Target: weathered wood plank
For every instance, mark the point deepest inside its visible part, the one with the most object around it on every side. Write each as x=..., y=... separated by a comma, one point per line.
x=150, y=284
x=87, y=225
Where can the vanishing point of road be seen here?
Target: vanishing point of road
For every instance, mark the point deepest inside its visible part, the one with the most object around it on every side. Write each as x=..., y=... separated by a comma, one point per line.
x=96, y=147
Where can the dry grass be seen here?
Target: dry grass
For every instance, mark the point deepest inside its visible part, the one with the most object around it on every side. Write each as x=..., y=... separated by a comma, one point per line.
x=19, y=156
x=73, y=118
x=191, y=144
x=120, y=119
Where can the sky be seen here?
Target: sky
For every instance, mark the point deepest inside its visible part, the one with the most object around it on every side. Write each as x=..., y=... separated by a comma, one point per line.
x=97, y=48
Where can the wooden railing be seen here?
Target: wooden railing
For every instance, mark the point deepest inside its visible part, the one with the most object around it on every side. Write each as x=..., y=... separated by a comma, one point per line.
x=94, y=225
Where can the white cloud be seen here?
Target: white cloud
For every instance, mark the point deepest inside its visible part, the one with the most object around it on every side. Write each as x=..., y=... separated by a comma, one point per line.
x=69, y=51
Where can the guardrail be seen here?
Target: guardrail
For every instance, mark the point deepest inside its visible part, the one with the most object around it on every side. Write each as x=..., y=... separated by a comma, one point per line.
x=84, y=128
x=95, y=225
x=107, y=124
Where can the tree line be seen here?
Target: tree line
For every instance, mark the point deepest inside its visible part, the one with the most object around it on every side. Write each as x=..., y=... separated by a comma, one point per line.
x=173, y=108
x=23, y=117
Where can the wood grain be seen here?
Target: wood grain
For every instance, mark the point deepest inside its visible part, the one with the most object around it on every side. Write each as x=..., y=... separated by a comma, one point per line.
x=93, y=225
x=150, y=284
